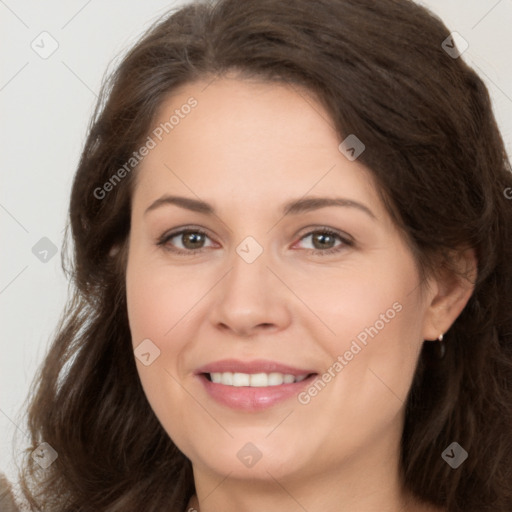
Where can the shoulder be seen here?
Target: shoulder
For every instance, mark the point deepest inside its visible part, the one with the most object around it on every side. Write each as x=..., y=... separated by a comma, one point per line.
x=7, y=503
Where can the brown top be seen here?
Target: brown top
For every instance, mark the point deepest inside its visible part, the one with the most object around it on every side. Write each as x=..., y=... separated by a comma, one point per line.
x=7, y=503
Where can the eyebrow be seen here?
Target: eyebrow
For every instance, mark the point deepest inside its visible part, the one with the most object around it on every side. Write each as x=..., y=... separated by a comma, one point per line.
x=294, y=207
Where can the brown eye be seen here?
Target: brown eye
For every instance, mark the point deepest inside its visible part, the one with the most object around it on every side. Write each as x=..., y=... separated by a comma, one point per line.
x=192, y=239
x=325, y=241
x=186, y=241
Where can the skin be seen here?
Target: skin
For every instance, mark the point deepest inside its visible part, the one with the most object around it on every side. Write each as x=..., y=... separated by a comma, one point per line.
x=247, y=148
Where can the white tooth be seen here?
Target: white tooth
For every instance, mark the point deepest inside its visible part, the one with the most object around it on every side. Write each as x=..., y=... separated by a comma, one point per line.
x=241, y=379
x=275, y=379
x=259, y=380
x=227, y=378
x=254, y=380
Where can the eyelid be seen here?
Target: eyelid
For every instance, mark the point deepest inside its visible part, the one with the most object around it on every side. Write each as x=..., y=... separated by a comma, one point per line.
x=308, y=230
x=347, y=241
x=168, y=235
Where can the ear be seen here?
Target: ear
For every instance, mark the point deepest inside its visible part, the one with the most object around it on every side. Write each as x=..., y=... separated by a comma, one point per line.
x=449, y=293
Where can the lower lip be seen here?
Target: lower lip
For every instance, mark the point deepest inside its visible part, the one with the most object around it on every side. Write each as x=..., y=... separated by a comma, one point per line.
x=253, y=399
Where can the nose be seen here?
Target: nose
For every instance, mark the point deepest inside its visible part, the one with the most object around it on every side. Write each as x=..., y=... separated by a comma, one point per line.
x=251, y=299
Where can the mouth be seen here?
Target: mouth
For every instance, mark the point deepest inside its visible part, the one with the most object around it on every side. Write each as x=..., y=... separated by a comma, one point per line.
x=254, y=385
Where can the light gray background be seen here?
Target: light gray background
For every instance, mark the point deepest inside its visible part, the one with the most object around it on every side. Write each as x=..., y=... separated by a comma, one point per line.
x=45, y=108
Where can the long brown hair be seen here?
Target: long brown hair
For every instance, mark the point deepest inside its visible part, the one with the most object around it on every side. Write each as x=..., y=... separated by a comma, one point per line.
x=433, y=146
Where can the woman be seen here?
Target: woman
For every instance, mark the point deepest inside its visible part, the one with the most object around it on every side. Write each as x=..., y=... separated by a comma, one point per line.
x=292, y=246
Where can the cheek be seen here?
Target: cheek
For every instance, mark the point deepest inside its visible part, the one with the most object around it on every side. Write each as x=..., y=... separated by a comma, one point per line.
x=154, y=308
x=158, y=298
x=161, y=303
x=374, y=315
x=354, y=300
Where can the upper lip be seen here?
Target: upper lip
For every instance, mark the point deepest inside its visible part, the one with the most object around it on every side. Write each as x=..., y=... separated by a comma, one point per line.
x=255, y=366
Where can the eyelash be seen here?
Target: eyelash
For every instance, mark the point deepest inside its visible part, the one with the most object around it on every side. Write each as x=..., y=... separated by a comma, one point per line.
x=346, y=241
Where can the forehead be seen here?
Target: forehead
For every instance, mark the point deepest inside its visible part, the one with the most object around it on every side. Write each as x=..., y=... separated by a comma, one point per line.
x=258, y=139
x=247, y=116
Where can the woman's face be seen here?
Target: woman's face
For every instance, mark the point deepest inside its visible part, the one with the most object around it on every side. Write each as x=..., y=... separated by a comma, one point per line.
x=257, y=281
